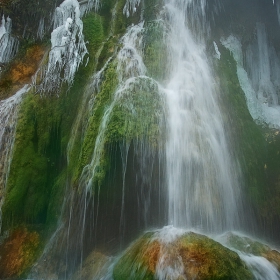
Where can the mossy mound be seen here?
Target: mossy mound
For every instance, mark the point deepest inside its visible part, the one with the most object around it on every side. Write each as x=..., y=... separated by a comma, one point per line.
x=253, y=247
x=93, y=267
x=18, y=251
x=186, y=256
x=130, y=112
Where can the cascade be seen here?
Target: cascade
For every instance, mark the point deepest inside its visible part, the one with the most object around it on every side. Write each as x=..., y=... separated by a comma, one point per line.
x=203, y=188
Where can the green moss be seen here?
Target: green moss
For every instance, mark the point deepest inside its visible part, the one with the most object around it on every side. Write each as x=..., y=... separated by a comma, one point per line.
x=152, y=9
x=246, y=245
x=38, y=169
x=102, y=100
x=134, y=113
x=131, y=265
x=155, y=52
x=93, y=31
x=137, y=114
x=257, y=146
x=249, y=142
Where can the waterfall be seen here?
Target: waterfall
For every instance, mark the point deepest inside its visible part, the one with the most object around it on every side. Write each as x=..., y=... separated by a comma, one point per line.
x=144, y=155
x=203, y=189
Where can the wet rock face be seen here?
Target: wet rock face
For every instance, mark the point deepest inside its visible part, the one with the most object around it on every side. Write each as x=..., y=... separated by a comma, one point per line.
x=187, y=256
x=18, y=251
x=249, y=246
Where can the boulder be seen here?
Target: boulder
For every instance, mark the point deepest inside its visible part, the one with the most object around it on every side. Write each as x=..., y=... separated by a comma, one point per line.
x=177, y=255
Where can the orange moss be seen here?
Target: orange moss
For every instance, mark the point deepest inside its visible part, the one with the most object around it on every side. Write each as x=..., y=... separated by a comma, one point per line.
x=198, y=261
x=18, y=252
x=21, y=70
x=151, y=255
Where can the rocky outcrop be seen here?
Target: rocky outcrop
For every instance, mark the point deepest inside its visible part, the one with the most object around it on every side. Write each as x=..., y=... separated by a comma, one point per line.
x=186, y=255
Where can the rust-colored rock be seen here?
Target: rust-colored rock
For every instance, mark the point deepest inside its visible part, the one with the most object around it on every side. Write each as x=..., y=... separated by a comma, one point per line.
x=18, y=252
x=21, y=70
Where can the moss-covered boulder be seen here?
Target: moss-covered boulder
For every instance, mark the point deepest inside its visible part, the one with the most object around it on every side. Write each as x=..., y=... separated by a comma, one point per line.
x=169, y=254
x=93, y=267
x=249, y=246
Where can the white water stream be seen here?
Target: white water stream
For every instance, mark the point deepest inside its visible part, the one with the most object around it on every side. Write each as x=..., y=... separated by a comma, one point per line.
x=203, y=188
x=8, y=120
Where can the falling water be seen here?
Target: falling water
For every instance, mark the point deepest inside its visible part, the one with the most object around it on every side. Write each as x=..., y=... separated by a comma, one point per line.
x=202, y=183
x=8, y=115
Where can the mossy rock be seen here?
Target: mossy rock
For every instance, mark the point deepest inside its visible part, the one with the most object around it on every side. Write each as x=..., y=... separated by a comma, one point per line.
x=186, y=256
x=135, y=113
x=93, y=267
x=18, y=251
x=155, y=49
x=20, y=71
x=250, y=246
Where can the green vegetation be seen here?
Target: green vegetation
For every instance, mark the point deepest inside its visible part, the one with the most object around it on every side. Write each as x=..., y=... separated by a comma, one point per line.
x=257, y=147
x=250, y=144
x=199, y=256
x=134, y=113
x=250, y=246
x=155, y=52
x=39, y=169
